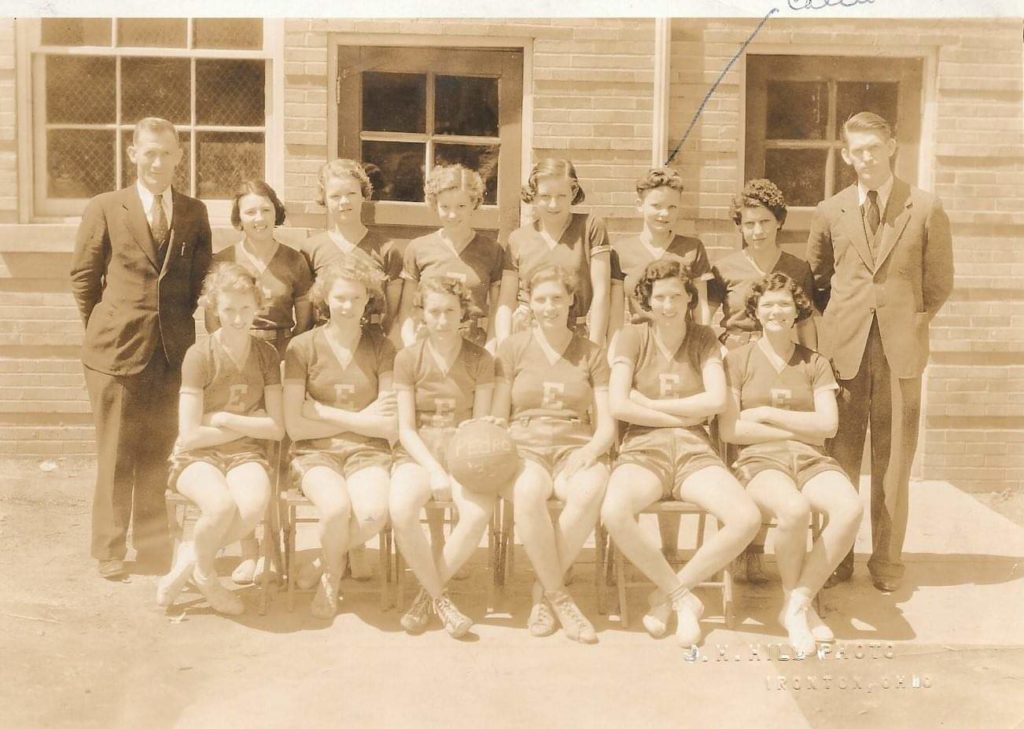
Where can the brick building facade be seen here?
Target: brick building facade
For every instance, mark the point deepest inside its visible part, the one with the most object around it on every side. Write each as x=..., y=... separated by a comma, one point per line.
x=276, y=98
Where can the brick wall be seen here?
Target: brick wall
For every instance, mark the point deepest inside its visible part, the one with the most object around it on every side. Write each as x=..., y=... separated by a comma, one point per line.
x=975, y=387
x=591, y=91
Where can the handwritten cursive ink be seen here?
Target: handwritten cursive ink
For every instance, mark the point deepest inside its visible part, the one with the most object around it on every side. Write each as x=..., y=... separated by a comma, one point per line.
x=820, y=4
x=718, y=81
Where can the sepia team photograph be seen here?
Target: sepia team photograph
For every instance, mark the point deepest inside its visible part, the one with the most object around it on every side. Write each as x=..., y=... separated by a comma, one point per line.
x=512, y=365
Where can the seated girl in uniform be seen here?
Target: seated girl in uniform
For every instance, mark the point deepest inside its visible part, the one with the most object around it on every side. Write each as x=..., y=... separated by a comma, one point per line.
x=666, y=381
x=551, y=384
x=781, y=408
x=441, y=381
x=230, y=406
x=340, y=411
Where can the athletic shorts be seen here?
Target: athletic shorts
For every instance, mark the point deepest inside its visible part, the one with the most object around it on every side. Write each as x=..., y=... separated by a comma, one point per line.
x=549, y=441
x=223, y=462
x=672, y=454
x=436, y=440
x=342, y=458
x=800, y=461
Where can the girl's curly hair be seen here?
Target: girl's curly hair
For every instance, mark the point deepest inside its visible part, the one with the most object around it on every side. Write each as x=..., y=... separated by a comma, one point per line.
x=453, y=177
x=350, y=268
x=561, y=275
x=763, y=193
x=659, y=177
x=228, y=277
x=779, y=282
x=342, y=169
x=553, y=167
x=659, y=271
x=451, y=286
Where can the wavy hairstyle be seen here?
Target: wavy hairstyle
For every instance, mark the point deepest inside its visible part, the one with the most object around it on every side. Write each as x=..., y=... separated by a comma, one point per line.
x=453, y=177
x=350, y=268
x=659, y=271
x=758, y=193
x=545, y=274
x=451, y=286
x=778, y=282
x=553, y=167
x=228, y=277
x=256, y=187
x=342, y=169
x=659, y=177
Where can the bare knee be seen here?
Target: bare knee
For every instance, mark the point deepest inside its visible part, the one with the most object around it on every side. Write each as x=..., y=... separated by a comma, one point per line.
x=372, y=520
x=405, y=510
x=219, y=509
x=530, y=496
x=617, y=513
x=847, y=514
x=793, y=513
x=335, y=515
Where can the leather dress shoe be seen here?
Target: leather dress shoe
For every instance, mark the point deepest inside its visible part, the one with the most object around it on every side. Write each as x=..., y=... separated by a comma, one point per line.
x=112, y=569
x=885, y=584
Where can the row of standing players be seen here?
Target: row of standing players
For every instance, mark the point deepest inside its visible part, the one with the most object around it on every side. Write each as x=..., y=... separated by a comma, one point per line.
x=455, y=292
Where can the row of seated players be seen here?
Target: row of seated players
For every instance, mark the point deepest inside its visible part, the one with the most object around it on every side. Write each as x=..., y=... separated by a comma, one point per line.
x=347, y=396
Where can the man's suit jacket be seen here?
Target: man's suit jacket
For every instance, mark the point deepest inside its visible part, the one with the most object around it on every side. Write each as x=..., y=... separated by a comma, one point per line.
x=904, y=282
x=128, y=298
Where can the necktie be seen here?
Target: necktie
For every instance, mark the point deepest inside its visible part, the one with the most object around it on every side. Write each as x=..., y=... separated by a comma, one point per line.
x=158, y=221
x=872, y=217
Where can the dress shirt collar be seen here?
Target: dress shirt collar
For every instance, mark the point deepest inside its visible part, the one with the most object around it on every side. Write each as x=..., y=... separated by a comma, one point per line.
x=147, y=201
x=884, y=192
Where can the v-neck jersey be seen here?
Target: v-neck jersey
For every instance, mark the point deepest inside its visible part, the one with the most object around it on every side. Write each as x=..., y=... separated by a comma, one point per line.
x=310, y=360
x=542, y=389
x=446, y=396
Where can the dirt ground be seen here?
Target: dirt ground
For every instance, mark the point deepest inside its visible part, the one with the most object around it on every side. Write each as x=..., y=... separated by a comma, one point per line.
x=80, y=651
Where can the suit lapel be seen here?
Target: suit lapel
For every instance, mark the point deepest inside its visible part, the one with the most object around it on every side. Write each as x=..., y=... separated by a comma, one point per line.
x=897, y=214
x=854, y=224
x=138, y=224
x=178, y=218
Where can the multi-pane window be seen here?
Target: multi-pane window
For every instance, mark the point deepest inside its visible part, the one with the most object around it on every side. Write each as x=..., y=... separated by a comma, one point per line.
x=96, y=77
x=796, y=106
x=402, y=111
x=442, y=120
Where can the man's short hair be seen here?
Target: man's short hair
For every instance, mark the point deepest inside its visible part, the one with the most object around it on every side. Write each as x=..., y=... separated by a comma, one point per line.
x=866, y=121
x=153, y=124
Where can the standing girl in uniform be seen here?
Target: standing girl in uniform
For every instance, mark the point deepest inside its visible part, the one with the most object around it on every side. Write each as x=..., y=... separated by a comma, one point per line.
x=284, y=278
x=781, y=409
x=551, y=385
x=441, y=380
x=456, y=251
x=343, y=188
x=230, y=405
x=666, y=381
x=576, y=242
x=340, y=411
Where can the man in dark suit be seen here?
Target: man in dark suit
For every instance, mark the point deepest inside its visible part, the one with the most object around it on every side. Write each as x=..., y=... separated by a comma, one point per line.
x=882, y=259
x=137, y=271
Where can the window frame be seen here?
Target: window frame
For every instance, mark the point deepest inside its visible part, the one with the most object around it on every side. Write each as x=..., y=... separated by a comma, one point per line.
x=36, y=198
x=436, y=56
x=910, y=70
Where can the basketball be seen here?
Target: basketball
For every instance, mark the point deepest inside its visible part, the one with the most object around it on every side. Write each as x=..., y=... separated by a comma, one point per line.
x=482, y=457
